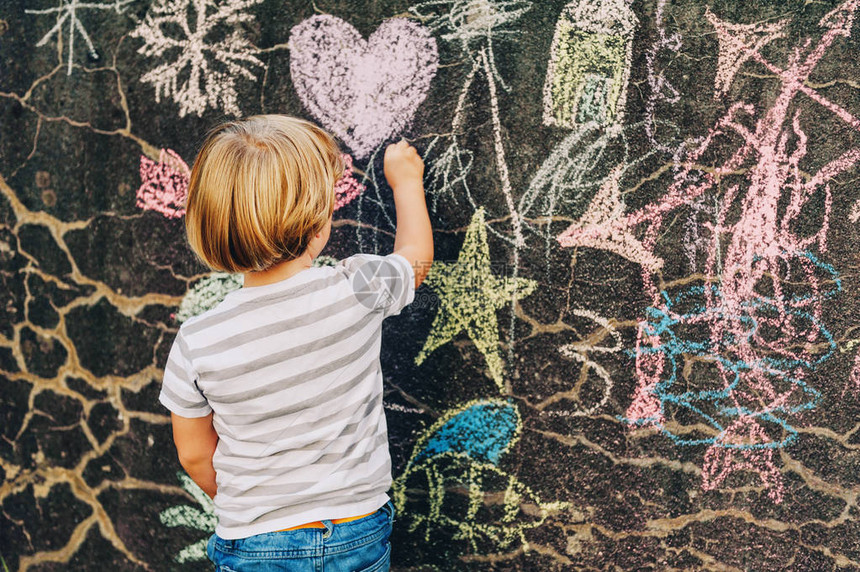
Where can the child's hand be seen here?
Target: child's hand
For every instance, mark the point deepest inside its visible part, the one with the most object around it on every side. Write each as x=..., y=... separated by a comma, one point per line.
x=402, y=165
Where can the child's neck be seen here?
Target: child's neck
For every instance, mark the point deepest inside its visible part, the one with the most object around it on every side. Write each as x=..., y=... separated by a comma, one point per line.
x=278, y=272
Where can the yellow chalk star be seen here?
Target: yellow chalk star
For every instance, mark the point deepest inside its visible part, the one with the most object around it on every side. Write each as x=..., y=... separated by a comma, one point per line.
x=469, y=295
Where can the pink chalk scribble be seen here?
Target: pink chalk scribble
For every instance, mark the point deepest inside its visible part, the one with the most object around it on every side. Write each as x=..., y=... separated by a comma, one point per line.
x=855, y=372
x=730, y=454
x=646, y=408
x=347, y=187
x=757, y=320
x=603, y=226
x=164, y=184
x=364, y=91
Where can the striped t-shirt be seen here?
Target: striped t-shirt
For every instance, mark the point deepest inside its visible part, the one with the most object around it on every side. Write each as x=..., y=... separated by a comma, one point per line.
x=291, y=374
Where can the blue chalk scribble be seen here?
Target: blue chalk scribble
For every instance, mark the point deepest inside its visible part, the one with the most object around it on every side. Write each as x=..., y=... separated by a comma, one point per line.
x=483, y=431
x=699, y=306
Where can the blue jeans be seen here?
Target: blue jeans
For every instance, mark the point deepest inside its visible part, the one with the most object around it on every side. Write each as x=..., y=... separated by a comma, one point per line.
x=356, y=546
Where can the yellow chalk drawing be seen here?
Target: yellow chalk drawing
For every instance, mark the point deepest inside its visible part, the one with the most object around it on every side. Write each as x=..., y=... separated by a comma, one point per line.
x=202, y=519
x=452, y=481
x=589, y=63
x=486, y=506
x=469, y=295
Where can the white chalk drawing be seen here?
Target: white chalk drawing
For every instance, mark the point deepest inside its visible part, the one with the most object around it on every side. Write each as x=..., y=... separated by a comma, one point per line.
x=476, y=24
x=589, y=64
x=67, y=14
x=854, y=216
x=199, y=72
x=579, y=352
x=200, y=518
x=471, y=20
x=660, y=88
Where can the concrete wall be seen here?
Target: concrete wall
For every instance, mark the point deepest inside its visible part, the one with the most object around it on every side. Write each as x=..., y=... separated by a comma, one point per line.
x=636, y=349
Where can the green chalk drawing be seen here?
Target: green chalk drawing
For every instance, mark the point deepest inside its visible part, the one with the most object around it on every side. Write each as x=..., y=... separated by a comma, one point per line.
x=207, y=294
x=469, y=295
x=456, y=464
x=589, y=64
x=483, y=504
x=324, y=260
x=192, y=517
x=210, y=291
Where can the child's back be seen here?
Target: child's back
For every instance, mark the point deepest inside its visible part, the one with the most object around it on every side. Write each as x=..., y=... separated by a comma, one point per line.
x=291, y=371
x=276, y=393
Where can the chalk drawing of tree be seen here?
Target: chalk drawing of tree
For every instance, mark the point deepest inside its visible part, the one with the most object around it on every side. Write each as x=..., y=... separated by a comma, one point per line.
x=192, y=517
x=67, y=13
x=205, y=51
x=476, y=25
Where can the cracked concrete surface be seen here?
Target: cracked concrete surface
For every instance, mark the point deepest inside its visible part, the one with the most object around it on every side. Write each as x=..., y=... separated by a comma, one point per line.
x=91, y=282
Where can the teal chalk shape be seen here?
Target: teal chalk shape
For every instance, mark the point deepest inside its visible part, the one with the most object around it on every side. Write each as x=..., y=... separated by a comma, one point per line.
x=483, y=431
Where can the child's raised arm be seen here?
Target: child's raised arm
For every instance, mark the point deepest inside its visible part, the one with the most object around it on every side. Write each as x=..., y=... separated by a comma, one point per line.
x=404, y=171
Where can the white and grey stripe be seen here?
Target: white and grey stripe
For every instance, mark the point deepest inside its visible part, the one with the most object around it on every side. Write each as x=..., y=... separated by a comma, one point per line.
x=291, y=374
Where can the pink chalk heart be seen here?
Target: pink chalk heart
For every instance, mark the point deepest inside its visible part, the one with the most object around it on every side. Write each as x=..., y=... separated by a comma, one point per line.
x=363, y=91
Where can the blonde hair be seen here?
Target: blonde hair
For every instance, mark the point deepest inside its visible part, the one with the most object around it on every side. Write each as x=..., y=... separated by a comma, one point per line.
x=260, y=189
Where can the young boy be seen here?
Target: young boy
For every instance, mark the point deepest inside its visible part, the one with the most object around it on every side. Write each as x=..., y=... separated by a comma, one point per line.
x=276, y=394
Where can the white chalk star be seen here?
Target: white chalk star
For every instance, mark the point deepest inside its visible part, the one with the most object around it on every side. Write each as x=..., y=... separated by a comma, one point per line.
x=67, y=11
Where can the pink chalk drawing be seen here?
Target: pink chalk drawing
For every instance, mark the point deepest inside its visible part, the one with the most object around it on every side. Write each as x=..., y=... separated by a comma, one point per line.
x=738, y=42
x=855, y=372
x=347, y=188
x=164, y=184
x=764, y=285
x=603, y=226
x=646, y=408
x=364, y=91
x=733, y=452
